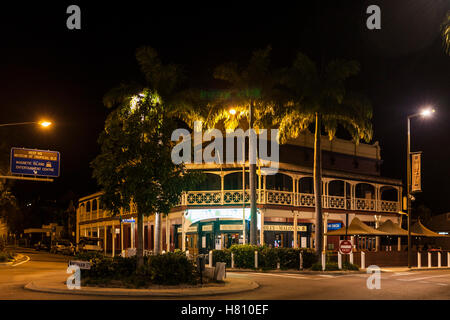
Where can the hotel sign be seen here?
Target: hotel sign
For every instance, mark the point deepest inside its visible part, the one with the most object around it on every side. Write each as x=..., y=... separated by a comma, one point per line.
x=227, y=227
x=415, y=172
x=190, y=229
x=282, y=227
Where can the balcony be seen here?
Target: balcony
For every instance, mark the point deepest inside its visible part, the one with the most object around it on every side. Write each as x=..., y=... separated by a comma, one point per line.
x=286, y=198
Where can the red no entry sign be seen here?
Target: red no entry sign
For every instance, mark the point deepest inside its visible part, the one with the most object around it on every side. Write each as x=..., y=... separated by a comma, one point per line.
x=345, y=246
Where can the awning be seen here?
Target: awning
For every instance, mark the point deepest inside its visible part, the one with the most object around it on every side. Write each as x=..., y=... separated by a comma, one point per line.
x=421, y=231
x=394, y=229
x=357, y=227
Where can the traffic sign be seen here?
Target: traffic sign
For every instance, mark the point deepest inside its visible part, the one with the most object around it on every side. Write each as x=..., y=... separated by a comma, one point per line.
x=35, y=162
x=345, y=246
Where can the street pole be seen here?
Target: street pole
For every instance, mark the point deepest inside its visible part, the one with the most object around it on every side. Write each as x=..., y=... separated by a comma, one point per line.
x=252, y=175
x=408, y=187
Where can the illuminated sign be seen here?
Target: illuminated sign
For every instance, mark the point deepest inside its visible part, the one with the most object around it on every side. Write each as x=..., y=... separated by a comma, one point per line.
x=334, y=226
x=283, y=227
x=35, y=162
x=225, y=227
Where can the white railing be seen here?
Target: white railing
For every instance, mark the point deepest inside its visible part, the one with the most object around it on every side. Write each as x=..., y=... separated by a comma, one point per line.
x=287, y=198
x=274, y=197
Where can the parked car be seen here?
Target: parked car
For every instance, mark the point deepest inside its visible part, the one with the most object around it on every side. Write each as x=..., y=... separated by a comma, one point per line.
x=42, y=246
x=90, y=245
x=63, y=246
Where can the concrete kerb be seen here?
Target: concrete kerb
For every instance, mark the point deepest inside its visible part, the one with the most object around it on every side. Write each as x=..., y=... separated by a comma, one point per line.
x=231, y=286
x=16, y=258
x=297, y=271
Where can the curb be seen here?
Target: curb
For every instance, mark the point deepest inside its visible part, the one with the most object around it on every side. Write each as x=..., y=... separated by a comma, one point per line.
x=298, y=271
x=18, y=257
x=117, y=292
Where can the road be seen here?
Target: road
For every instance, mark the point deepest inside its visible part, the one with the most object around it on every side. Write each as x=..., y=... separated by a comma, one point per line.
x=423, y=285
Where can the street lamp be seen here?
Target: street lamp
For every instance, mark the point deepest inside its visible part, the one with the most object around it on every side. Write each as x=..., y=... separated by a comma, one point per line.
x=44, y=124
x=427, y=112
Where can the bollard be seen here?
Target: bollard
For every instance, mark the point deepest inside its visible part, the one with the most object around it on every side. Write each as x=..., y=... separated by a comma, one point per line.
x=339, y=260
x=351, y=257
x=232, y=260
x=278, y=265
x=301, y=261
x=429, y=259
x=448, y=259
x=419, y=260
x=323, y=261
x=256, y=259
x=210, y=262
x=439, y=259
x=363, y=260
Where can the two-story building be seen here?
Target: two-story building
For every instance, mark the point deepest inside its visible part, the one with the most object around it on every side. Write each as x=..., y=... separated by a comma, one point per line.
x=215, y=213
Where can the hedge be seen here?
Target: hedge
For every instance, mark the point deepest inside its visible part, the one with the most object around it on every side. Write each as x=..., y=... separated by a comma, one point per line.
x=268, y=258
x=171, y=268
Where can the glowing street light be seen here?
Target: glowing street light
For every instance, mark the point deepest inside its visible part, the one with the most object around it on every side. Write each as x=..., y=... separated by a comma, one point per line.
x=232, y=112
x=427, y=112
x=424, y=113
x=45, y=123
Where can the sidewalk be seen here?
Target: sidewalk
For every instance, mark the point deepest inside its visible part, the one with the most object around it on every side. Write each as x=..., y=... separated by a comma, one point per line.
x=59, y=286
x=406, y=269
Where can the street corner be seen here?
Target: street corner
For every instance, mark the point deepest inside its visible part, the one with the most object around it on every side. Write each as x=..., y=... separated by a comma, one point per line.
x=229, y=286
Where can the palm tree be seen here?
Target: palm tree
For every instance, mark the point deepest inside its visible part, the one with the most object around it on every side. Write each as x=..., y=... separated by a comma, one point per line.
x=253, y=95
x=165, y=82
x=446, y=33
x=321, y=98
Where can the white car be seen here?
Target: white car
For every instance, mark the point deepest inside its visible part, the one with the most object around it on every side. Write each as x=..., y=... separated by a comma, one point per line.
x=89, y=245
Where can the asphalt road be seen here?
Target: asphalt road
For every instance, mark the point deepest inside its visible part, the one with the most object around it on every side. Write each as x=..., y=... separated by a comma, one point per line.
x=423, y=285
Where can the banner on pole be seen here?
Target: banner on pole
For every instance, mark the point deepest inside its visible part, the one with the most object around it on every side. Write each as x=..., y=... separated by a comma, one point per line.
x=416, y=172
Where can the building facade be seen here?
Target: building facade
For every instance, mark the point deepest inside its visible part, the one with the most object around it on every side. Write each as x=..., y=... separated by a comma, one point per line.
x=215, y=213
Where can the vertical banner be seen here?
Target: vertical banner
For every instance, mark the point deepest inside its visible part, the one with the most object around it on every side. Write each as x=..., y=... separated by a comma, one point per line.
x=415, y=172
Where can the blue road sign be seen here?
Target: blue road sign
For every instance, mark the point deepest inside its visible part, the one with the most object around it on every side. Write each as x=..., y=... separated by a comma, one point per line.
x=35, y=162
x=334, y=226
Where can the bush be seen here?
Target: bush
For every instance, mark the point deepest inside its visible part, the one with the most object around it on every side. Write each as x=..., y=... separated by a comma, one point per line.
x=88, y=256
x=309, y=258
x=267, y=258
x=6, y=256
x=165, y=269
x=170, y=268
x=349, y=266
x=222, y=256
x=328, y=267
x=244, y=255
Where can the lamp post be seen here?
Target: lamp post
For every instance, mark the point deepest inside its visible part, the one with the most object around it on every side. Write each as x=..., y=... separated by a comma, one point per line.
x=424, y=113
x=44, y=124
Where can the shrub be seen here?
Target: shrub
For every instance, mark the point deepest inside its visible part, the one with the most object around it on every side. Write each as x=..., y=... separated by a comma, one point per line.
x=349, y=266
x=222, y=256
x=244, y=255
x=316, y=267
x=331, y=266
x=88, y=256
x=6, y=256
x=170, y=268
x=267, y=258
x=309, y=258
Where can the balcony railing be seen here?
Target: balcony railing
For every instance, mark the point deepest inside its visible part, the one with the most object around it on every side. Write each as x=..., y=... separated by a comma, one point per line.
x=282, y=198
x=234, y=197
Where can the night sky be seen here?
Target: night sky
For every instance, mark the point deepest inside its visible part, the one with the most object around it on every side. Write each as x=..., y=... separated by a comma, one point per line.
x=50, y=71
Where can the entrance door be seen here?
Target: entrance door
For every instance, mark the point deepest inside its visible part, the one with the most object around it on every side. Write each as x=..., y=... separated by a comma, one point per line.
x=192, y=243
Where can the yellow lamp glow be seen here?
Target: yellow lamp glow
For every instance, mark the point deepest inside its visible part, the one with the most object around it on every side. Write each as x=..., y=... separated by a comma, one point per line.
x=45, y=123
x=232, y=112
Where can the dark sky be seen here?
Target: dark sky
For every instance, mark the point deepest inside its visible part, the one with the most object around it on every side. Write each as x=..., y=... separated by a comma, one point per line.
x=50, y=71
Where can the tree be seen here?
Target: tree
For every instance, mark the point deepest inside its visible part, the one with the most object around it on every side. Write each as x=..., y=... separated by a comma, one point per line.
x=446, y=33
x=252, y=93
x=135, y=165
x=320, y=98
